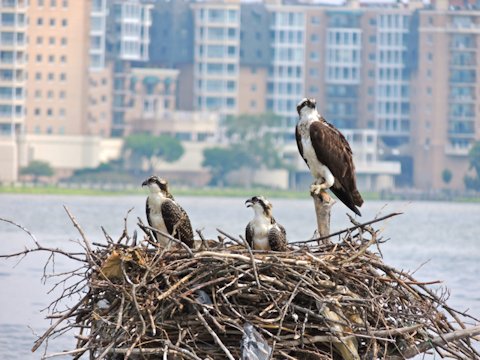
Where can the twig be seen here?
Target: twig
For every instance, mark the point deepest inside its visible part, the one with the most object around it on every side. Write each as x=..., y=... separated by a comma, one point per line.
x=347, y=229
x=215, y=336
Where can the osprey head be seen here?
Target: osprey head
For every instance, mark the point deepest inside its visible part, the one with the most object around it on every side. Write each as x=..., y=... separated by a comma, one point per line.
x=260, y=204
x=156, y=184
x=311, y=103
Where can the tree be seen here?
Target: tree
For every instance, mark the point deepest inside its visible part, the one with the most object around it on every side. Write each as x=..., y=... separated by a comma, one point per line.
x=473, y=182
x=37, y=168
x=447, y=176
x=223, y=160
x=254, y=135
x=150, y=148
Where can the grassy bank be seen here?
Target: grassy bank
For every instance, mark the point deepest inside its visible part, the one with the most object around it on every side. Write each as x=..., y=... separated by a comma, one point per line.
x=225, y=192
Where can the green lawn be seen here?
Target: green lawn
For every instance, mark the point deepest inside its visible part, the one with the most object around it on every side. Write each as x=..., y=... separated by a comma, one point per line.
x=227, y=192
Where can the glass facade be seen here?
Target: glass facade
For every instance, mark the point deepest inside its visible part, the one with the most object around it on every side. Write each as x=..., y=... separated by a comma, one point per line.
x=216, y=57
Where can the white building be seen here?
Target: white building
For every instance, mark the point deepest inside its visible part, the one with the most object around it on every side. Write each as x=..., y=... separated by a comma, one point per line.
x=287, y=71
x=98, y=25
x=13, y=26
x=216, y=56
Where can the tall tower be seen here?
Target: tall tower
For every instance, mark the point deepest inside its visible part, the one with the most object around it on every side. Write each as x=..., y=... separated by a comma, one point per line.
x=13, y=27
x=58, y=60
x=216, y=56
x=286, y=79
x=446, y=99
x=128, y=40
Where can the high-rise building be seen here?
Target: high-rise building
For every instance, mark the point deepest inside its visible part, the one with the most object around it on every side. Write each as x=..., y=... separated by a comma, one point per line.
x=13, y=27
x=128, y=40
x=58, y=61
x=98, y=27
x=286, y=76
x=445, y=94
x=216, y=56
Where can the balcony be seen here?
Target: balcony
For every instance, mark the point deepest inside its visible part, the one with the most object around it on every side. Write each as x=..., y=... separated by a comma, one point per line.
x=453, y=150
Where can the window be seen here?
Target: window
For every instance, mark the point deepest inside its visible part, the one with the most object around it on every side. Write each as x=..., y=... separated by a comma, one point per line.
x=38, y=94
x=65, y=4
x=38, y=76
x=62, y=94
x=38, y=58
x=63, y=77
x=53, y=3
x=61, y=112
x=40, y=21
x=52, y=22
x=64, y=22
x=50, y=77
x=51, y=40
x=63, y=41
x=51, y=59
x=315, y=20
x=40, y=3
x=49, y=112
x=63, y=59
x=49, y=94
x=37, y=112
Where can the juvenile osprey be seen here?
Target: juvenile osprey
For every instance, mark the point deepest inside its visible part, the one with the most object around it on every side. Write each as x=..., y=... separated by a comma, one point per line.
x=327, y=154
x=263, y=232
x=164, y=213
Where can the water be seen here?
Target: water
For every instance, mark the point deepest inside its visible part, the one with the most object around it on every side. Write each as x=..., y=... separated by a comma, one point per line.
x=441, y=239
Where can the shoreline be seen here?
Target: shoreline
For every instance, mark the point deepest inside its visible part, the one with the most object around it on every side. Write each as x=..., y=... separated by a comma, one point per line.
x=123, y=190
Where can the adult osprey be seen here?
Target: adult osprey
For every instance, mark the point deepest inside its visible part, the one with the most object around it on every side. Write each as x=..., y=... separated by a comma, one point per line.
x=327, y=154
x=263, y=232
x=164, y=213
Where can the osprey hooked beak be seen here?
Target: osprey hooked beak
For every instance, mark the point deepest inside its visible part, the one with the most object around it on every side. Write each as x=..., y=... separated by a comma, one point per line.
x=161, y=183
x=249, y=202
x=311, y=103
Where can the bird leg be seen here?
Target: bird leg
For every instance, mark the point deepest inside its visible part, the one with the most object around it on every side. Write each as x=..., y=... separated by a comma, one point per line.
x=318, y=187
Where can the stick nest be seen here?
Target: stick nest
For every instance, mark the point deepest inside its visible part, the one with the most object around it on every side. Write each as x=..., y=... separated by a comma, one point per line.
x=323, y=301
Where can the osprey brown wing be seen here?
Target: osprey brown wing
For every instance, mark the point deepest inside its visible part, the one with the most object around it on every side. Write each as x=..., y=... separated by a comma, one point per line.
x=333, y=151
x=277, y=238
x=177, y=222
x=147, y=209
x=298, y=137
x=249, y=234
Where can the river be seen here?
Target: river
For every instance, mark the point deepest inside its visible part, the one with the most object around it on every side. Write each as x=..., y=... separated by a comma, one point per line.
x=437, y=239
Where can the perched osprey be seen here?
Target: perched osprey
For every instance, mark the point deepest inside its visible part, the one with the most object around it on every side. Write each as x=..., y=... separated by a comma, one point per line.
x=164, y=213
x=263, y=232
x=327, y=154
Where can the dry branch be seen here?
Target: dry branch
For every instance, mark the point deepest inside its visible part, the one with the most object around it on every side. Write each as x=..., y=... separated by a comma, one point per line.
x=329, y=301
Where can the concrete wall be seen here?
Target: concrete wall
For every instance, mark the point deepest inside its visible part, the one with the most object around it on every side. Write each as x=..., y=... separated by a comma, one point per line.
x=68, y=152
x=8, y=160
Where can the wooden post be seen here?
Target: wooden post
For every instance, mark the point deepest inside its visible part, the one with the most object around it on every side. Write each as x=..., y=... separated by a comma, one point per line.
x=323, y=205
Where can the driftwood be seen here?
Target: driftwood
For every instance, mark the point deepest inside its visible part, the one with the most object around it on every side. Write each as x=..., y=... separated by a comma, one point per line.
x=324, y=301
x=323, y=203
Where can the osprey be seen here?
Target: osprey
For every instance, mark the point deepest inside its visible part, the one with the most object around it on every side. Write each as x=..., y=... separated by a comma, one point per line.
x=327, y=154
x=164, y=213
x=263, y=232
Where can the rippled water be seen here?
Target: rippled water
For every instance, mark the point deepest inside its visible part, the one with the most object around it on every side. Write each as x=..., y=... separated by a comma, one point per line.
x=440, y=238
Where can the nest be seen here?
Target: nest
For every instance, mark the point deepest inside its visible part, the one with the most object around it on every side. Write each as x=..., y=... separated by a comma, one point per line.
x=225, y=301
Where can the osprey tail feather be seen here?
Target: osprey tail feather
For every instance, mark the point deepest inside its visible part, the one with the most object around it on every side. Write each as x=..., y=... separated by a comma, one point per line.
x=351, y=200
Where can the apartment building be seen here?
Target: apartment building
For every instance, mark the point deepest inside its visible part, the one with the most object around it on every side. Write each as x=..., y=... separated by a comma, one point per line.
x=216, y=61
x=128, y=27
x=445, y=94
x=58, y=61
x=13, y=35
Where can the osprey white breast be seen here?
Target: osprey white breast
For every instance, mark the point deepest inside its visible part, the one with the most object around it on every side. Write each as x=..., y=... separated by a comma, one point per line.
x=317, y=169
x=156, y=200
